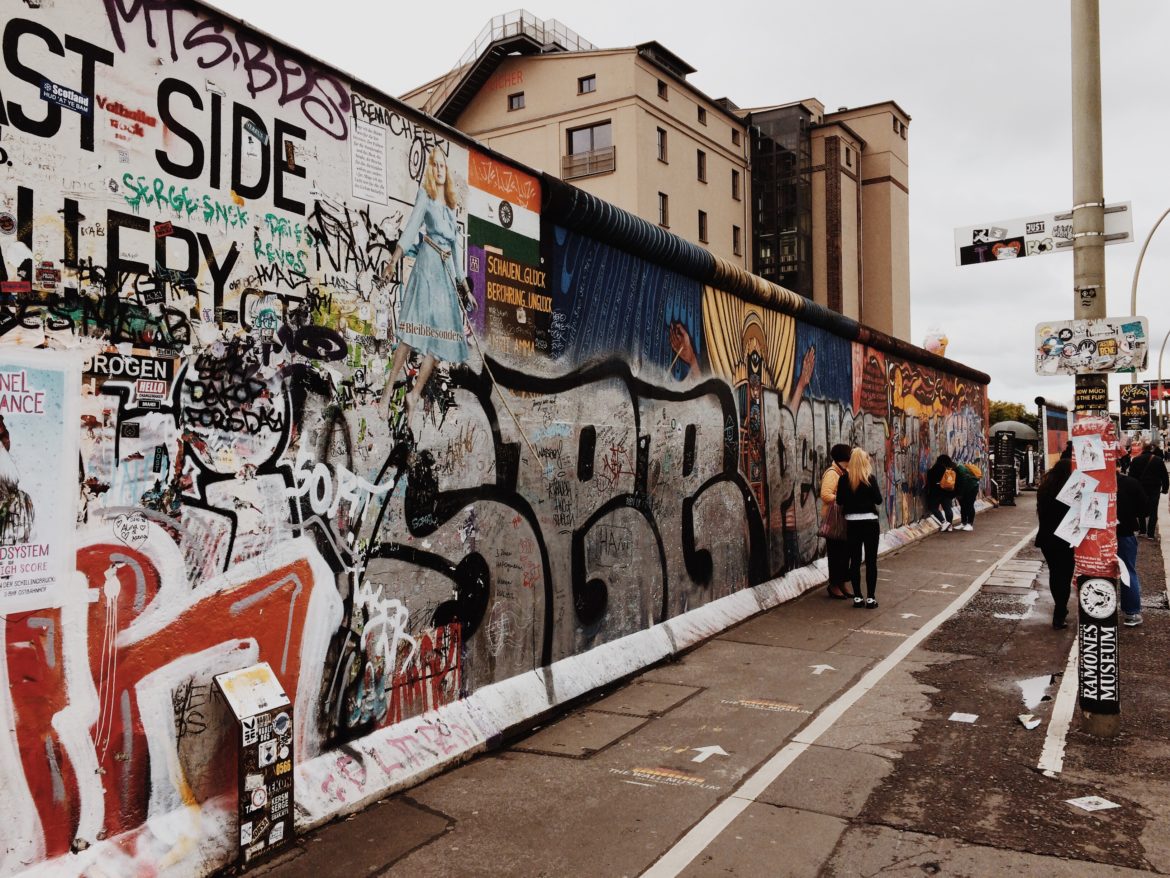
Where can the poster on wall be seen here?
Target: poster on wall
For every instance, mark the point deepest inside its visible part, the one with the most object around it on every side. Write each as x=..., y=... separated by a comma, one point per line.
x=38, y=476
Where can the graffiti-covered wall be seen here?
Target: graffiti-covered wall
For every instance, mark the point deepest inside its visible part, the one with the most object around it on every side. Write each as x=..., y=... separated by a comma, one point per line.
x=289, y=373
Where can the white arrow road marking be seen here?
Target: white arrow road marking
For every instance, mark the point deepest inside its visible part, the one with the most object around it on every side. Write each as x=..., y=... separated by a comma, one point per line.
x=945, y=585
x=706, y=752
x=909, y=615
x=820, y=669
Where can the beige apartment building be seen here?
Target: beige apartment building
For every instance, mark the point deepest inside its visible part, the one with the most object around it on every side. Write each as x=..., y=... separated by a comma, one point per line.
x=816, y=202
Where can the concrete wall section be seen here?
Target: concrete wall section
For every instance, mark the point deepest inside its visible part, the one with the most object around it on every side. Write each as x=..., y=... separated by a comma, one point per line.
x=617, y=449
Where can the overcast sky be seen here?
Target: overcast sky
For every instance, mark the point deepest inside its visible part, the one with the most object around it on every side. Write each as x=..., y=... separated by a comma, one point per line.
x=987, y=87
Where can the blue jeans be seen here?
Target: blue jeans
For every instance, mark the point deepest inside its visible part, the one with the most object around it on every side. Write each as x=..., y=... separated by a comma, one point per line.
x=1131, y=596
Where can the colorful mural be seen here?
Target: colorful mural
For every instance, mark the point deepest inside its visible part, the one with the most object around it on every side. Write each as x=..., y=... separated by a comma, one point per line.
x=349, y=397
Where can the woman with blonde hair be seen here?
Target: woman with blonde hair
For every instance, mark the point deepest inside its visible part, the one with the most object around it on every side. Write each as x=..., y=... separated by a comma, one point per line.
x=431, y=318
x=859, y=497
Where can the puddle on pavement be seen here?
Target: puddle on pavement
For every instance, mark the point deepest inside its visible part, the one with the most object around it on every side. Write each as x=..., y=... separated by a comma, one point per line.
x=1035, y=689
x=1025, y=611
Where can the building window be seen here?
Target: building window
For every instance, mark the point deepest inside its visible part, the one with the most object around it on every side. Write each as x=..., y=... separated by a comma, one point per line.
x=662, y=90
x=662, y=144
x=735, y=136
x=590, y=151
x=701, y=165
x=848, y=157
x=590, y=138
x=736, y=241
x=516, y=101
x=735, y=184
x=664, y=210
x=702, y=116
x=587, y=84
x=703, y=226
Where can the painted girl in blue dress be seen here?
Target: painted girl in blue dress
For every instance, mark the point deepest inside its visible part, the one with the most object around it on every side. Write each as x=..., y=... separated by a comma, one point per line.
x=431, y=318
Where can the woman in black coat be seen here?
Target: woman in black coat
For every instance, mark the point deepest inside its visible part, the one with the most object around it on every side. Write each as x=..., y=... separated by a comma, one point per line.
x=1057, y=553
x=859, y=497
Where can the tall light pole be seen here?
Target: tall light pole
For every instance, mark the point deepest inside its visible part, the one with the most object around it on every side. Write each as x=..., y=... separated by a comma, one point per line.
x=1161, y=388
x=1136, y=271
x=1097, y=633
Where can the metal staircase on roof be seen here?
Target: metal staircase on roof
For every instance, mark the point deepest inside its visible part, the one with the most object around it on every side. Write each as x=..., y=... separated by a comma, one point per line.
x=516, y=32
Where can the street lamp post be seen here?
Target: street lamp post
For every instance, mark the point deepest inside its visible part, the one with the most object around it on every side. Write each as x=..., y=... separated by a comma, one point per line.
x=1161, y=389
x=1133, y=290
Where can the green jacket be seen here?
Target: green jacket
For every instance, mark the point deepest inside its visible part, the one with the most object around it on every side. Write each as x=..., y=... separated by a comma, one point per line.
x=965, y=481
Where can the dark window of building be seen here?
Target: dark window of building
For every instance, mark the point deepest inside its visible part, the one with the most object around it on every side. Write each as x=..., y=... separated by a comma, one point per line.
x=663, y=210
x=735, y=184
x=516, y=101
x=701, y=165
x=737, y=241
x=703, y=226
x=662, y=90
x=590, y=138
x=848, y=157
x=735, y=136
x=702, y=116
x=661, y=144
x=587, y=84
x=590, y=151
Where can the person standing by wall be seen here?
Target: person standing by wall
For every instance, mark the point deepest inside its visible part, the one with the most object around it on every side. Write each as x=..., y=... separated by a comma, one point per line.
x=860, y=498
x=1058, y=554
x=940, y=491
x=1130, y=500
x=1150, y=470
x=836, y=550
x=967, y=476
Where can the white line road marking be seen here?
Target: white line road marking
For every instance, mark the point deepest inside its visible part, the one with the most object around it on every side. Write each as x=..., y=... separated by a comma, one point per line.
x=1052, y=756
x=637, y=783
x=699, y=836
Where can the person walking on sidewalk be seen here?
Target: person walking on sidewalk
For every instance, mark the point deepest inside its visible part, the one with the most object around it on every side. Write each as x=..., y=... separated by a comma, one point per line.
x=836, y=551
x=1150, y=470
x=940, y=491
x=860, y=497
x=1058, y=554
x=1130, y=499
x=967, y=476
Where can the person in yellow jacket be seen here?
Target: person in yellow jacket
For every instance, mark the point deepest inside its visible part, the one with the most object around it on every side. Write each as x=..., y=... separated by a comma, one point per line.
x=836, y=551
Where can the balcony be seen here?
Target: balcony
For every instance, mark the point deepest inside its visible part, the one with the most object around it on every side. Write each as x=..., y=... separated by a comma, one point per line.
x=589, y=164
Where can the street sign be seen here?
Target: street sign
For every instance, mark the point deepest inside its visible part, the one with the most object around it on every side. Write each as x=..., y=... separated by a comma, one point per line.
x=1034, y=235
x=1135, y=408
x=1084, y=347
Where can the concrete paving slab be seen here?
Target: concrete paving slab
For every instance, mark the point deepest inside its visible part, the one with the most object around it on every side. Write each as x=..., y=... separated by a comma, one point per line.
x=828, y=781
x=523, y=814
x=361, y=845
x=645, y=698
x=580, y=734
x=874, y=850
x=765, y=840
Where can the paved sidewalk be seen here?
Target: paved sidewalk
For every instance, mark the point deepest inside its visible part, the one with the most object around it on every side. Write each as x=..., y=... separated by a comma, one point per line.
x=817, y=739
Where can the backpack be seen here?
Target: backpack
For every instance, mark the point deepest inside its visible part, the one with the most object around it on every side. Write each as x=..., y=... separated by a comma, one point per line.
x=947, y=482
x=975, y=470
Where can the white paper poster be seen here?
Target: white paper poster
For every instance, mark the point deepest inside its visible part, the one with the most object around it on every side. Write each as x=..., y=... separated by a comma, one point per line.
x=368, y=153
x=1089, y=452
x=1071, y=530
x=1095, y=510
x=38, y=476
x=1078, y=485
